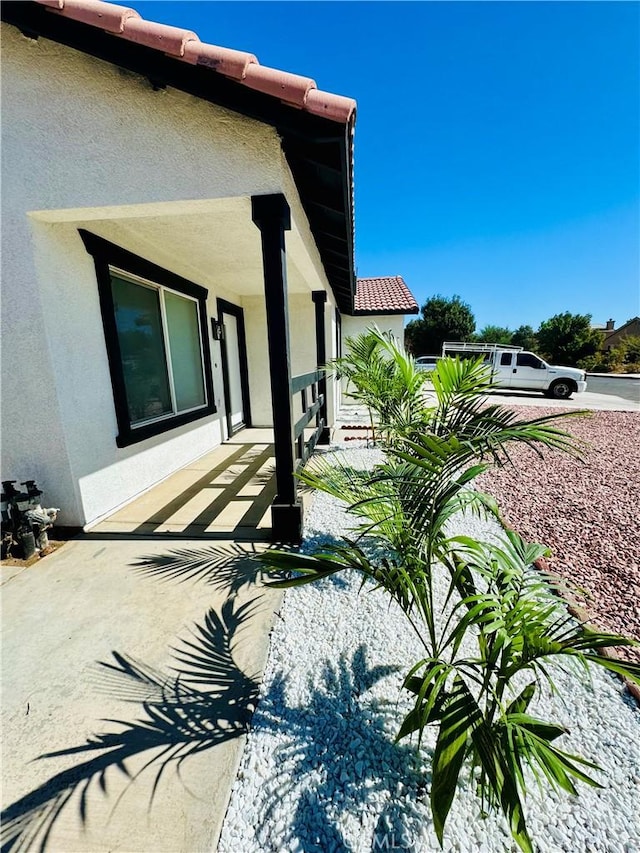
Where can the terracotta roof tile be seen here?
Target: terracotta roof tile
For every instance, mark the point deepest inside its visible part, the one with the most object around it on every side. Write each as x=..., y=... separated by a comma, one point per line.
x=185, y=45
x=231, y=63
x=171, y=40
x=384, y=295
x=335, y=107
x=288, y=87
x=107, y=16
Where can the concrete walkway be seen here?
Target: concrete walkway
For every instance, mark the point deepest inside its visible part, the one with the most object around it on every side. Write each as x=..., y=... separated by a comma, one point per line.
x=134, y=665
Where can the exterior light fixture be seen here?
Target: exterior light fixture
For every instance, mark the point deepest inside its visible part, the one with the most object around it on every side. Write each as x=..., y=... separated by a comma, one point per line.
x=217, y=329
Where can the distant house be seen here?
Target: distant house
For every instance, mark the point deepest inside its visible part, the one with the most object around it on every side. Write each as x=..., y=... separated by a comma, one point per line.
x=614, y=337
x=383, y=302
x=177, y=254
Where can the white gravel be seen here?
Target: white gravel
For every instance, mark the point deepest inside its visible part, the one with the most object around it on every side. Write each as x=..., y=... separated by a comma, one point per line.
x=321, y=773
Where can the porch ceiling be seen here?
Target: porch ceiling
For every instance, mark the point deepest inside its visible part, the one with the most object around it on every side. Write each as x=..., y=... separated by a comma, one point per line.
x=213, y=243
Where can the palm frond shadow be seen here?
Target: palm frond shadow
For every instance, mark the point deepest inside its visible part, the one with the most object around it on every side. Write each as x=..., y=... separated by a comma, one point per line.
x=338, y=728
x=263, y=476
x=204, y=700
x=223, y=567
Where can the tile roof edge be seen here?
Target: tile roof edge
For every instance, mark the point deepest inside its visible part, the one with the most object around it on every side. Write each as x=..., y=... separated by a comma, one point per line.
x=185, y=45
x=382, y=312
x=380, y=278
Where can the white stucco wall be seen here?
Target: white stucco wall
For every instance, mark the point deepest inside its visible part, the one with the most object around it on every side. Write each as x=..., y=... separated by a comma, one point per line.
x=302, y=337
x=353, y=326
x=78, y=135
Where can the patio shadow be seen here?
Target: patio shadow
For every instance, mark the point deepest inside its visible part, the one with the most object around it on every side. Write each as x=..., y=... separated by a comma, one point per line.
x=205, y=700
x=224, y=495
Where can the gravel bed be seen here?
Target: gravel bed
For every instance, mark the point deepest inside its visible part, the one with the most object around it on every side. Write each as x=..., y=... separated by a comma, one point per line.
x=585, y=511
x=320, y=771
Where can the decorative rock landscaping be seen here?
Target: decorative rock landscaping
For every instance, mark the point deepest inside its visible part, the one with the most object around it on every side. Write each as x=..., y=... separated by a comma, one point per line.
x=321, y=772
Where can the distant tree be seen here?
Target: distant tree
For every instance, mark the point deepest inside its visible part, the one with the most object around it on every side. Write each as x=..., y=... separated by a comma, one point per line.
x=632, y=349
x=567, y=338
x=623, y=358
x=524, y=337
x=494, y=335
x=442, y=320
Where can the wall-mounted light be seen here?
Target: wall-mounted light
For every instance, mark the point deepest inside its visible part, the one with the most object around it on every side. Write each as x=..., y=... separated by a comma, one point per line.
x=217, y=329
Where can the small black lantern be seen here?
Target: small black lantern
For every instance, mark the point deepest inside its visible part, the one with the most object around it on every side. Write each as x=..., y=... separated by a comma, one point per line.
x=217, y=329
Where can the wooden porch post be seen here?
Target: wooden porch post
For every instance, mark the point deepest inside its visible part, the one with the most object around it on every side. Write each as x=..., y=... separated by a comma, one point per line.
x=320, y=297
x=272, y=216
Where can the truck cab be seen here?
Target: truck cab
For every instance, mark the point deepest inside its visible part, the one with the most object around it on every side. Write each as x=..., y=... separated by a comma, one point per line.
x=513, y=367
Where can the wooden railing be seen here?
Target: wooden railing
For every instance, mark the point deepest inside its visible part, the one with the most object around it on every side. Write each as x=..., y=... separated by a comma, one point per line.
x=312, y=403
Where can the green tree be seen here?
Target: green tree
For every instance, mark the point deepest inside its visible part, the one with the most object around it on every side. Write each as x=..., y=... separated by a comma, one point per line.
x=631, y=349
x=494, y=335
x=442, y=319
x=384, y=378
x=623, y=358
x=567, y=338
x=525, y=337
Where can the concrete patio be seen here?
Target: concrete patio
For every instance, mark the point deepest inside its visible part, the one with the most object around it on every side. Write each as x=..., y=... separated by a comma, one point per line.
x=134, y=664
x=225, y=494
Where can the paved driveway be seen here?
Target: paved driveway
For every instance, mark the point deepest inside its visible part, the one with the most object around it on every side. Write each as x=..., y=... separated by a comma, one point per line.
x=611, y=397
x=134, y=665
x=587, y=400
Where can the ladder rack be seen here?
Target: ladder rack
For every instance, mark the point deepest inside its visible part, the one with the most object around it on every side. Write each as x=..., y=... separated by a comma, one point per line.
x=469, y=346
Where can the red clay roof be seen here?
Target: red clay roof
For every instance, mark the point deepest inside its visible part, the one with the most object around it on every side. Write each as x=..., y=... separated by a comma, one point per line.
x=300, y=92
x=384, y=295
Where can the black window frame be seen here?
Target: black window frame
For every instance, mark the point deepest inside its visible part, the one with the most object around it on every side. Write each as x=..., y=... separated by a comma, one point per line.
x=106, y=255
x=540, y=365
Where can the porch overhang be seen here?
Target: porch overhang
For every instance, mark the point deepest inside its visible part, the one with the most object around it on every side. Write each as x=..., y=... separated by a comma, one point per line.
x=212, y=242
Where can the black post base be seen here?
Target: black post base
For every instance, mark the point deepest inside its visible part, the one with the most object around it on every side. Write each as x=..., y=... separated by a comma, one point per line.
x=325, y=436
x=286, y=523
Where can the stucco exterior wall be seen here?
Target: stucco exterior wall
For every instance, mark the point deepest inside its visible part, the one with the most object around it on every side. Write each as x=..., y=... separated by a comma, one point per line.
x=630, y=329
x=353, y=326
x=78, y=135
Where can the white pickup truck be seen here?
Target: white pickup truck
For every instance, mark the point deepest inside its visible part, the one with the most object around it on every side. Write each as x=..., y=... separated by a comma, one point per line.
x=512, y=367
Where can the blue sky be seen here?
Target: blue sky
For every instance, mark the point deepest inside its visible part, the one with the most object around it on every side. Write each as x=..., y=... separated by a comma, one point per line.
x=497, y=144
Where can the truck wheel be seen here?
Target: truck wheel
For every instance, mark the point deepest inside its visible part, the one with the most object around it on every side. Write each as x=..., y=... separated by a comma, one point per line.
x=561, y=389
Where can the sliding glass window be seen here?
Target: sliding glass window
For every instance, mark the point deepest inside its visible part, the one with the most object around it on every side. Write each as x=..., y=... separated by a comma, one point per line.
x=161, y=352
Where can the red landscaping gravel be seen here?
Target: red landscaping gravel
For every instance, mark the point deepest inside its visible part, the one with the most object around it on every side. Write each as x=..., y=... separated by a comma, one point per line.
x=586, y=511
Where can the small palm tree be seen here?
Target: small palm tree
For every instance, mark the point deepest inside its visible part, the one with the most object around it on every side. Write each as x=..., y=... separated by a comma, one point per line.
x=382, y=376
x=497, y=618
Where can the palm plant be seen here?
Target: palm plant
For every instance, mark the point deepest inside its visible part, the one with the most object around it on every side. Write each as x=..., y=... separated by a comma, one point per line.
x=494, y=620
x=382, y=376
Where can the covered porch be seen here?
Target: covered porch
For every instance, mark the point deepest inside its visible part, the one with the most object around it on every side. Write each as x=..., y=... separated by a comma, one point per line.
x=266, y=325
